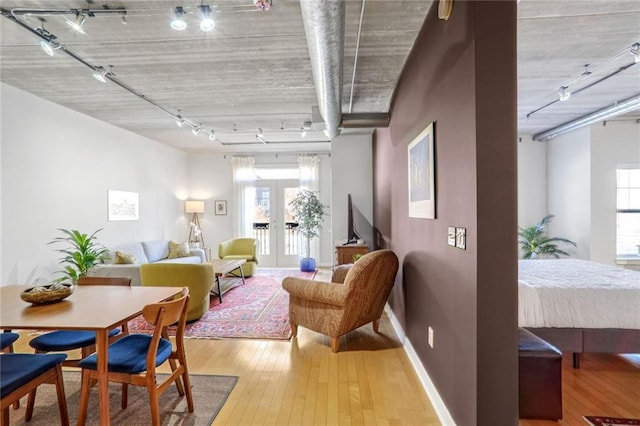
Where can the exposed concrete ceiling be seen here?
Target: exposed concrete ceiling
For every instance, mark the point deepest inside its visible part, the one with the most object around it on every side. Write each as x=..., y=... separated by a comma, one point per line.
x=253, y=70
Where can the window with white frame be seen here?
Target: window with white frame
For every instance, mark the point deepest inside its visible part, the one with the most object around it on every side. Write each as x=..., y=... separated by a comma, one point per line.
x=628, y=210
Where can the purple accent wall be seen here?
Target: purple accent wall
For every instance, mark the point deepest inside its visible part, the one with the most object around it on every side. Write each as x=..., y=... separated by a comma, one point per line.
x=461, y=75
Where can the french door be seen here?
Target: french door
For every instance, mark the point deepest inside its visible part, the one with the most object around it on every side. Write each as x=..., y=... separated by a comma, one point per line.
x=273, y=227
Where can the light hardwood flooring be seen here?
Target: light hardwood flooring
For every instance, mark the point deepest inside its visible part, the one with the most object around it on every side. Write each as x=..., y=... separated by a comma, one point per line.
x=371, y=381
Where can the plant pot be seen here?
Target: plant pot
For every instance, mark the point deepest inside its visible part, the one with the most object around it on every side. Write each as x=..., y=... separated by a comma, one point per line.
x=307, y=264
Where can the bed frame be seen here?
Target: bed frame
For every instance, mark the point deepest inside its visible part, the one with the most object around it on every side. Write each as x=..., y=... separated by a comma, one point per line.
x=598, y=340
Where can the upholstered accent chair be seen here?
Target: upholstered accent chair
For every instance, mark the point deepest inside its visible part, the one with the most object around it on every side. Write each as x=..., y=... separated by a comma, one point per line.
x=335, y=309
x=240, y=248
x=198, y=277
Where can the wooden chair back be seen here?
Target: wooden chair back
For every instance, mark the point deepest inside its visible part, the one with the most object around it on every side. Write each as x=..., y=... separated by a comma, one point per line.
x=121, y=281
x=165, y=313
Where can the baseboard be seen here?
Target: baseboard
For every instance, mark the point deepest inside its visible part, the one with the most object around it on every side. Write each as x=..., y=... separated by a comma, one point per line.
x=438, y=405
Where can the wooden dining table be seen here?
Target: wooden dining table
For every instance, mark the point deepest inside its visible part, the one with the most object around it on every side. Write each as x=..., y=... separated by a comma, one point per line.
x=95, y=308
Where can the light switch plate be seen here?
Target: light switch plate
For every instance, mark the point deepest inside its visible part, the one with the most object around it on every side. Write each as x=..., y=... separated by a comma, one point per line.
x=451, y=236
x=461, y=238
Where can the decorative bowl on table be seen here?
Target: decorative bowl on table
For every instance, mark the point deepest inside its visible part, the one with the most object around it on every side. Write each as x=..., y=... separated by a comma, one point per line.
x=52, y=293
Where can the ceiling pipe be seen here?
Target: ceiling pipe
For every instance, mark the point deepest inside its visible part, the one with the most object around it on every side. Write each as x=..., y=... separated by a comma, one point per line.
x=324, y=27
x=621, y=107
x=365, y=119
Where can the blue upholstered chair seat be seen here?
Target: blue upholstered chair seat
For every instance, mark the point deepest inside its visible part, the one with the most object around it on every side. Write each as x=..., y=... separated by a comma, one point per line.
x=7, y=338
x=129, y=354
x=18, y=369
x=64, y=340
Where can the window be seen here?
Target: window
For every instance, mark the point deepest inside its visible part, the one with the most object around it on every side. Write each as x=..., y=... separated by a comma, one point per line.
x=628, y=210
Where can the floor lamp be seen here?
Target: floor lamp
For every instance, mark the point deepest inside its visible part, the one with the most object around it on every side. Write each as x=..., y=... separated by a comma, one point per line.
x=195, y=207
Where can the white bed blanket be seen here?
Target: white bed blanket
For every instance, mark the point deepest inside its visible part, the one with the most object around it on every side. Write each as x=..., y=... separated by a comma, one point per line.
x=577, y=293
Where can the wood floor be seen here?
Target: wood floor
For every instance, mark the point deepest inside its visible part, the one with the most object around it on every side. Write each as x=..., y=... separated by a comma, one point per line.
x=371, y=381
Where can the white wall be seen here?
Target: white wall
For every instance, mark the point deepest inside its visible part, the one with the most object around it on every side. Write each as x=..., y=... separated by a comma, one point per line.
x=569, y=190
x=616, y=143
x=532, y=181
x=351, y=172
x=57, y=166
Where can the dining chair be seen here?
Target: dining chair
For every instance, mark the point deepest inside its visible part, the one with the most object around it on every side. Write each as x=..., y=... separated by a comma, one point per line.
x=134, y=358
x=20, y=374
x=66, y=340
x=6, y=345
x=6, y=341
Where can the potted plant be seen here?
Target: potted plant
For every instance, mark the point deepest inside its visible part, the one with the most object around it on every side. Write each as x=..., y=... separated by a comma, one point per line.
x=81, y=254
x=535, y=243
x=309, y=212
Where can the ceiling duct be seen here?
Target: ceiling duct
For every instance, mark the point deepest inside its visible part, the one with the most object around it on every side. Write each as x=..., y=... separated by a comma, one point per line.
x=324, y=28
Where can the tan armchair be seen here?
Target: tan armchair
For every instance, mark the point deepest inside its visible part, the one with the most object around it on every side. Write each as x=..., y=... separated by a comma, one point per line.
x=335, y=309
x=240, y=248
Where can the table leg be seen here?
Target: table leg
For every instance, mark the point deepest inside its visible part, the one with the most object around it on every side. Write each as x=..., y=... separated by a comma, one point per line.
x=102, y=350
x=242, y=274
x=219, y=290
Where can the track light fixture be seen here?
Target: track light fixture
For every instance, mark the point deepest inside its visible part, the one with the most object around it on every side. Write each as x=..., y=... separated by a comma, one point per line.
x=178, y=22
x=564, y=93
x=101, y=74
x=635, y=51
x=195, y=130
x=77, y=23
x=207, y=23
x=212, y=135
x=49, y=46
x=306, y=126
x=260, y=134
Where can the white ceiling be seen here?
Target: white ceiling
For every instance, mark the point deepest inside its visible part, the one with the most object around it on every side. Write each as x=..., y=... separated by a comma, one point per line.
x=253, y=70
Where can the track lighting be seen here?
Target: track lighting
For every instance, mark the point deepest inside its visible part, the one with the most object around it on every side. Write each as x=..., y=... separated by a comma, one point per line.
x=212, y=135
x=207, y=23
x=195, y=130
x=260, y=134
x=564, y=93
x=305, y=127
x=49, y=46
x=261, y=139
x=303, y=132
x=635, y=51
x=178, y=23
x=77, y=23
x=101, y=74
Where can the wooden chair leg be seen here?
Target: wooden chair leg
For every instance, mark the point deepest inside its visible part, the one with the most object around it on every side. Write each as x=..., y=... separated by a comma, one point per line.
x=30, y=403
x=124, y=398
x=335, y=344
x=5, y=417
x=62, y=399
x=84, y=398
x=294, y=329
x=376, y=325
x=155, y=404
x=16, y=405
x=187, y=382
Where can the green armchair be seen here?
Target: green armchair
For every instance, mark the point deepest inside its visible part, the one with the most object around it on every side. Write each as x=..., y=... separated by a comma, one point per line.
x=198, y=277
x=240, y=248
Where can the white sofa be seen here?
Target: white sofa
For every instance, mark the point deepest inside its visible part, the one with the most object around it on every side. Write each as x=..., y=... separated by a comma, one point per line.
x=144, y=252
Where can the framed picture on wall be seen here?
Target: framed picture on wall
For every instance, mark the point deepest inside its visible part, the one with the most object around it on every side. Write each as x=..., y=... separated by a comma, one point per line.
x=221, y=207
x=421, y=175
x=122, y=205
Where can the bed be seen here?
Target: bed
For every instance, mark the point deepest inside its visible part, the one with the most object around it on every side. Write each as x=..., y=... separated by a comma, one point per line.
x=580, y=306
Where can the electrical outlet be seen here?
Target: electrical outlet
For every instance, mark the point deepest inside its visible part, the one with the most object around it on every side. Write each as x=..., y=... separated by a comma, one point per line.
x=430, y=338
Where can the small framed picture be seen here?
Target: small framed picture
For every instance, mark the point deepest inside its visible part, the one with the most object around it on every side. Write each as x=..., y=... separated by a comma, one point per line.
x=221, y=207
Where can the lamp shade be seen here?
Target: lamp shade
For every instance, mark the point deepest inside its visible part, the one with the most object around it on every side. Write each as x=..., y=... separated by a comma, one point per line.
x=194, y=206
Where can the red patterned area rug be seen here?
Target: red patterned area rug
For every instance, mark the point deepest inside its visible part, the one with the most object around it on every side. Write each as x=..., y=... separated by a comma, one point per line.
x=610, y=421
x=258, y=309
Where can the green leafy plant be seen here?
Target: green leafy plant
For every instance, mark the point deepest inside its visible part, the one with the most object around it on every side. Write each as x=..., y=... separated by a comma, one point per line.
x=81, y=254
x=535, y=243
x=309, y=212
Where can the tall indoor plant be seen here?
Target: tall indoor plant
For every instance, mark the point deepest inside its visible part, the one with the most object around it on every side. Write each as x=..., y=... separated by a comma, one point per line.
x=535, y=243
x=81, y=253
x=309, y=212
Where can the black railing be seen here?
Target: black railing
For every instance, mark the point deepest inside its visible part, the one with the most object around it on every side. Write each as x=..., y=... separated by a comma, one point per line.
x=291, y=240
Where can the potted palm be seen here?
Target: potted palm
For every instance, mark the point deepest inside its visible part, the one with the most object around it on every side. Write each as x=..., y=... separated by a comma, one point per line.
x=309, y=212
x=81, y=253
x=535, y=243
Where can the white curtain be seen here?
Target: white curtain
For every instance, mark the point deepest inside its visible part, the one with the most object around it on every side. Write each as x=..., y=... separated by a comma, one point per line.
x=309, y=172
x=244, y=195
x=309, y=179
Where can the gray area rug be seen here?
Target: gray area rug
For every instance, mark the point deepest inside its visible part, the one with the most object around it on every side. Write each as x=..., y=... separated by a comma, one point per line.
x=209, y=395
